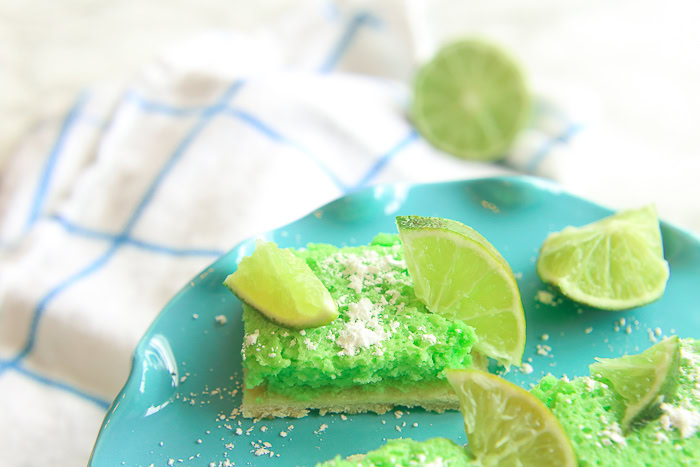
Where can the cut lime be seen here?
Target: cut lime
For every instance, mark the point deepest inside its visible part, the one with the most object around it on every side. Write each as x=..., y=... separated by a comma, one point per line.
x=614, y=263
x=457, y=273
x=644, y=380
x=506, y=425
x=282, y=287
x=470, y=100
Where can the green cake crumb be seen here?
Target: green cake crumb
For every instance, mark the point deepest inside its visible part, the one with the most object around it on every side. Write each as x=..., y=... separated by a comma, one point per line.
x=589, y=412
x=384, y=337
x=407, y=452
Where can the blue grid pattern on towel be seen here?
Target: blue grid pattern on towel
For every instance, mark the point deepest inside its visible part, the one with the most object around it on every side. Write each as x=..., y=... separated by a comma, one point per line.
x=205, y=114
x=358, y=20
x=52, y=160
x=115, y=241
x=546, y=149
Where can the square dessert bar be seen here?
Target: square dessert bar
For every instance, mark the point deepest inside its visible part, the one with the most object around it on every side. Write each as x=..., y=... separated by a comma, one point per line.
x=384, y=349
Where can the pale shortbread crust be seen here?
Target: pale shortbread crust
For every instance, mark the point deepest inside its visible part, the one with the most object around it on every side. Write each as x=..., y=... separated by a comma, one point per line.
x=436, y=397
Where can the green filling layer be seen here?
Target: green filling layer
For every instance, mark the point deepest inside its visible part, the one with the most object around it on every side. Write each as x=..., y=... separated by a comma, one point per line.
x=406, y=452
x=417, y=345
x=588, y=411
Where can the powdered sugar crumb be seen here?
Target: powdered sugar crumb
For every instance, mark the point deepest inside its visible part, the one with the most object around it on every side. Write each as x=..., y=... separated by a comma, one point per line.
x=310, y=345
x=252, y=339
x=544, y=297
x=589, y=383
x=430, y=338
x=684, y=419
x=361, y=310
x=321, y=429
x=358, y=335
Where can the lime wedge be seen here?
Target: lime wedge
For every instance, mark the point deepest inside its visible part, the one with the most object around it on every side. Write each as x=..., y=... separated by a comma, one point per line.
x=614, y=263
x=643, y=381
x=282, y=287
x=506, y=425
x=470, y=100
x=457, y=273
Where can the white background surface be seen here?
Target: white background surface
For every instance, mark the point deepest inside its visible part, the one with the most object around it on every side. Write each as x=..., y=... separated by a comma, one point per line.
x=628, y=71
x=635, y=64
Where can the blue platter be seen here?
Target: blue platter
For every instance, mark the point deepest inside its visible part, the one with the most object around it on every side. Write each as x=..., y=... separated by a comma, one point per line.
x=185, y=381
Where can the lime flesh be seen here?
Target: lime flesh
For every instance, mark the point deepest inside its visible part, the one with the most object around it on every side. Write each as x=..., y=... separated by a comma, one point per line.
x=470, y=100
x=506, y=425
x=457, y=273
x=615, y=263
x=642, y=381
x=282, y=287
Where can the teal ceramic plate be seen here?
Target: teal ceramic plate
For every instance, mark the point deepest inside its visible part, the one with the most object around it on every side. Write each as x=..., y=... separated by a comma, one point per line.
x=180, y=400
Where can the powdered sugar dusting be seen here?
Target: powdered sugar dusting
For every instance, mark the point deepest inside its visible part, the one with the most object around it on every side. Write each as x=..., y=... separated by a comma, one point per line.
x=589, y=383
x=355, y=283
x=684, y=419
x=361, y=310
x=430, y=338
x=367, y=269
x=252, y=339
x=310, y=345
x=360, y=335
x=684, y=416
x=611, y=433
x=436, y=463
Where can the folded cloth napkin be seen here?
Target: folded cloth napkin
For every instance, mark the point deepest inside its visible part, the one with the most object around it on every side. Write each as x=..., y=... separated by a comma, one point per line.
x=106, y=214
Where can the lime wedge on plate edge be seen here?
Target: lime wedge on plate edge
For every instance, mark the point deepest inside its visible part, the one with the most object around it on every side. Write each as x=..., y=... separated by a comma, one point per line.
x=614, y=264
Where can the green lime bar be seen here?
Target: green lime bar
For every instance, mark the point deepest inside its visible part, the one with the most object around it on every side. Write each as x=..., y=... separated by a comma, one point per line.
x=406, y=452
x=589, y=412
x=384, y=347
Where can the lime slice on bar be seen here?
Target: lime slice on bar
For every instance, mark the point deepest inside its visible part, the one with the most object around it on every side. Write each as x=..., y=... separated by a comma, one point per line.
x=614, y=264
x=470, y=100
x=457, y=273
x=644, y=380
x=506, y=425
x=282, y=287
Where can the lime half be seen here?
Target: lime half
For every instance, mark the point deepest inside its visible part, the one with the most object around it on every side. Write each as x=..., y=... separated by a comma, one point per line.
x=644, y=380
x=506, y=425
x=457, y=273
x=282, y=287
x=470, y=100
x=614, y=263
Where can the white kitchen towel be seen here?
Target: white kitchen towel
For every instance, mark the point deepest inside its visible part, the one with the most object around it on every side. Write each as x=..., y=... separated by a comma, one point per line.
x=105, y=215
